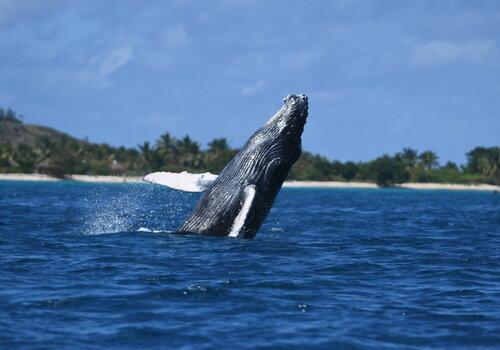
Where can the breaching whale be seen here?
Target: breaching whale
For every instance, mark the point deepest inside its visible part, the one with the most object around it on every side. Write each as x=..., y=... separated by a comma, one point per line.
x=236, y=202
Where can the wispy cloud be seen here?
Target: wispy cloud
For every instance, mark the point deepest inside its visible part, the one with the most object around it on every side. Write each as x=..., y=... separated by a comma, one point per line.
x=445, y=51
x=254, y=88
x=113, y=61
x=102, y=66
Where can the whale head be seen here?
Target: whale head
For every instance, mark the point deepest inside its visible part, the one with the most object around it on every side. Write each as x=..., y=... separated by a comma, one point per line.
x=291, y=117
x=284, y=129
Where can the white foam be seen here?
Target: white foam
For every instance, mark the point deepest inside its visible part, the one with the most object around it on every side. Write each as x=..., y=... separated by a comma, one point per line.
x=239, y=221
x=145, y=229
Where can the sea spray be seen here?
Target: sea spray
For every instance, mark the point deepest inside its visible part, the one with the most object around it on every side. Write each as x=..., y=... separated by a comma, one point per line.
x=132, y=208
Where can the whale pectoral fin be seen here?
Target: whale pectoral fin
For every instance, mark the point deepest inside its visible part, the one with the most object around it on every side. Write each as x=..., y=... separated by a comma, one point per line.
x=182, y=181
x=239, y=221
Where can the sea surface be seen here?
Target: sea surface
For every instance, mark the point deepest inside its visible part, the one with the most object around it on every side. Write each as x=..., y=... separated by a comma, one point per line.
x=96, y=266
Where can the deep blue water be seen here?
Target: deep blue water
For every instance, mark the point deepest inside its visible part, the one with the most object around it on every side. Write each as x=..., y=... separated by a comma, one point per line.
x=94, y=266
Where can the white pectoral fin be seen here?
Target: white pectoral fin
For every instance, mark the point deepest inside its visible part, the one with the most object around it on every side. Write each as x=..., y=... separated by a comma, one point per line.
x=239, y=221
x=182, y=181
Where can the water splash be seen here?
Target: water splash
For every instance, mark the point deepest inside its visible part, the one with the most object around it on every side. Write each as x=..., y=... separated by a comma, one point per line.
x=111, y=214
x=142, y=208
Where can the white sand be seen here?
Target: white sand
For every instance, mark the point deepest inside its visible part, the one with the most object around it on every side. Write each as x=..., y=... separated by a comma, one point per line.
x=105, y=178
x=27, y=177
x=329, y=184
x=310, y=184
x=434, y=186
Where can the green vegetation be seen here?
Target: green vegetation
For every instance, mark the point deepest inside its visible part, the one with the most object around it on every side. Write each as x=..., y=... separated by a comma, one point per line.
x=29, y=148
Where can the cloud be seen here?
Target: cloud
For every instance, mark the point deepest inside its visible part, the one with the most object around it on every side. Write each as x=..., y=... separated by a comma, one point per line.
x=175, y=36
x=445, y=51
x=113, y=61
x=254, y=88
x=101, y=67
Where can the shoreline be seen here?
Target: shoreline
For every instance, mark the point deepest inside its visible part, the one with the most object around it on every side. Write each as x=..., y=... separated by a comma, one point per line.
x=287, y=184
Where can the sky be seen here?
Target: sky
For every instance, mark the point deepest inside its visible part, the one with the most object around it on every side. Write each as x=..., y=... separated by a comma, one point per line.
x=380, y=75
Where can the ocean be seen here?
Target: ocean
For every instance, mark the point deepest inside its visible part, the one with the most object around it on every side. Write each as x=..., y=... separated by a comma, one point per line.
x=97, y=266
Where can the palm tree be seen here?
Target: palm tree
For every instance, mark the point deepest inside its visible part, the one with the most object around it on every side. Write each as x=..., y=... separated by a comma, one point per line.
x=190, y=155
x=408, y=157
x=166, y=142
x=218, y=145
x=429, y=159
x=146, y=152
x=218, y=155
x=167, y=149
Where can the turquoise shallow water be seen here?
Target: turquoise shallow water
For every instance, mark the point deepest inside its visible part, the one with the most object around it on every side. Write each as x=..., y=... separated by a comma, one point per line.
x=95, y=266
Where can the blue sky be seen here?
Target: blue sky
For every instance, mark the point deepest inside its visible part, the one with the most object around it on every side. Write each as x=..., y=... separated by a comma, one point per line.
x=380, y=75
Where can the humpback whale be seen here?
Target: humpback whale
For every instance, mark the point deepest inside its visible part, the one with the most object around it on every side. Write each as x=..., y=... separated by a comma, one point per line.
x=236, y=202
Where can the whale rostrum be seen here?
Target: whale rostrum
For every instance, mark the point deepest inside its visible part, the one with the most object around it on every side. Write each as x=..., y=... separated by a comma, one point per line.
x=236, y=202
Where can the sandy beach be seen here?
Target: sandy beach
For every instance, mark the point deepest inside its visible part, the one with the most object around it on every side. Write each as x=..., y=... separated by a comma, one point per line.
x=409, y=185
x=109, y=178
x=329, y=184
x=288, y=184
x=27, y=177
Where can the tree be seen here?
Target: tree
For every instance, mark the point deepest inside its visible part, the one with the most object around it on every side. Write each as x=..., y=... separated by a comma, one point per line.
x=408, y=157
x=167, y=151
x=5, y=155
x=485, y=161
x=450, y=166
x=479, y=156
x=25, y=157
x=388, y=170
x=218, y=155
x=190, y=156
x=428, y=159
x=146, y=152
x=186, y=145
x=62, y=162
x=9, y=116
x=218, y=145
x=167, y=144
x=349, y=171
